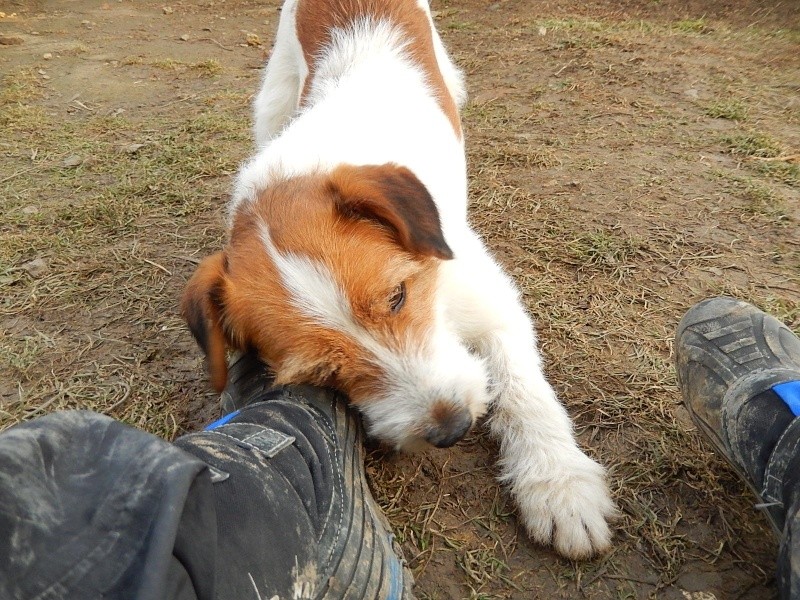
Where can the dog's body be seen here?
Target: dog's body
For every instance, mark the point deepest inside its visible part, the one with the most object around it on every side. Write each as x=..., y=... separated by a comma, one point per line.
x=351, y=263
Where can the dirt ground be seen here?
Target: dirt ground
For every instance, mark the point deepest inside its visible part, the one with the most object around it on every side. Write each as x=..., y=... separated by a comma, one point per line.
x=627, y=159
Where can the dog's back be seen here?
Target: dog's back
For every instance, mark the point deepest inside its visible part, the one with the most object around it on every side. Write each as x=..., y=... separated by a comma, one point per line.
x=360, y=82
x=319, y=37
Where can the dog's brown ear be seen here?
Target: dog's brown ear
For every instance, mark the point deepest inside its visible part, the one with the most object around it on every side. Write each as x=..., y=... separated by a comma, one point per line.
x=393, y=196
x=201, y=306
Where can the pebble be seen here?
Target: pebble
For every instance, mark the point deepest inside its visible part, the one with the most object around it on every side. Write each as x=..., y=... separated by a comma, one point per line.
x=10, y=40
x=35, y=268
x=72, y=161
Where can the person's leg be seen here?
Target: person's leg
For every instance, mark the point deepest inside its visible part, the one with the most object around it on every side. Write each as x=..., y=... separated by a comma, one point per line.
x=270, y=500
x=90, y=508
x=739, y=372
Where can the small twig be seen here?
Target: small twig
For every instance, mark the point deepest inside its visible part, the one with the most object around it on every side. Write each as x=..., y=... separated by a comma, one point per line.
x=184, y=99
x=191, y=259
x=155, y=264
x=80, y=104
x=780, y=287
x=121, y=400
x=634, y=579
x=44, y=405
x=18, y=173
x=609, y=114
x=208, y=39
x=595, y=576
x=783, y=157
x=562, y=68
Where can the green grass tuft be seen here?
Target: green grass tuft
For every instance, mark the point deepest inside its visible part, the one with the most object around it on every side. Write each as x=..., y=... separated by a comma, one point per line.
x=784, y=172
x=733, y=110
x=763, y=201
x=752, y=144
x=691, y=25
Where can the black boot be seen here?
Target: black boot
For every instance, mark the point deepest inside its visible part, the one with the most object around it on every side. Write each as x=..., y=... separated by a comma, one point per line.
x=739, y=372
x=291, y=462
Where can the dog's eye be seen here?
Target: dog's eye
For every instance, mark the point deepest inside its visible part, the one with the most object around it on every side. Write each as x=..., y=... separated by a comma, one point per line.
x=397, y=298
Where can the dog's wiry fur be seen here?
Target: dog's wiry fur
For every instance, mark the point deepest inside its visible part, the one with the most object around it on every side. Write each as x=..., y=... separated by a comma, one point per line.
x=351, y=263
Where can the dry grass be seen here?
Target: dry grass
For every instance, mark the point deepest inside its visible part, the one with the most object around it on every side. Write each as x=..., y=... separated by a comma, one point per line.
x=204, y=68
x=111, y=229
x=591, y=182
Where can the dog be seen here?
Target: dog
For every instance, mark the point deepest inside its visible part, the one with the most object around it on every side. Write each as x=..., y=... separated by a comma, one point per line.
x=350, y=262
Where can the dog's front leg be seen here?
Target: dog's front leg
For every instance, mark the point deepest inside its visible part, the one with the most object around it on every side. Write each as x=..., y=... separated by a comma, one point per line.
x=561, y=493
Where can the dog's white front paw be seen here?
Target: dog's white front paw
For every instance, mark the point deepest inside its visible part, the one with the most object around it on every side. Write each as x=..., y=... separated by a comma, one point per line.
x=567, y=507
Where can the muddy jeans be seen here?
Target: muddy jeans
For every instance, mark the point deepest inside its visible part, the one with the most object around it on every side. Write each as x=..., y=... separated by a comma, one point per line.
x=91, y=508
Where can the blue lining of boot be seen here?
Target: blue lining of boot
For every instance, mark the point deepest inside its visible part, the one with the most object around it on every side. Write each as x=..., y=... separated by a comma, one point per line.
x=395, y=579
x=789, y=392
x=221, y=421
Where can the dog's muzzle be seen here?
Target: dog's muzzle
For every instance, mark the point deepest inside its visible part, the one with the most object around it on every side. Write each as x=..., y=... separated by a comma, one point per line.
x=450, y=428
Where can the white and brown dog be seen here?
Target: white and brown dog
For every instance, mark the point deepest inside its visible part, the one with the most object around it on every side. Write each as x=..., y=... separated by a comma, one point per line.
x=351, y=263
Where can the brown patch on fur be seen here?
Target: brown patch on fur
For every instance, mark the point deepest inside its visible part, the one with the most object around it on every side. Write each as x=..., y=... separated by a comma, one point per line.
x=316, y=19
x=393, y=195
x=246, y=304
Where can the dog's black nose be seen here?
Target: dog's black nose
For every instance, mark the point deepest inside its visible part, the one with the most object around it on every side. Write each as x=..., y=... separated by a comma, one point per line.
x=451, y=425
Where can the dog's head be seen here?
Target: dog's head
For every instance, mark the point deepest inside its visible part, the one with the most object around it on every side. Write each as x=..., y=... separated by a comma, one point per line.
x=334, y=278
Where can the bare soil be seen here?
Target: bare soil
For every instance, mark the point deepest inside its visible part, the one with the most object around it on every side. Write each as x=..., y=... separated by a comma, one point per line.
x=627, y=160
